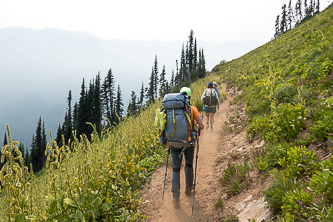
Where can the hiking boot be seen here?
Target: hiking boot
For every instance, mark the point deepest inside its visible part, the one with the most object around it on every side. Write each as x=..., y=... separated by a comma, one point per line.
x=176, y=204
x=188, y=190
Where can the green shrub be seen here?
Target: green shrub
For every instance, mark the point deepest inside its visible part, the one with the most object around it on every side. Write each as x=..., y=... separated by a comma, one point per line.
x=296, y=202
x=322, y=181
x=285, y=94
x=284, y=124
x=279, y=186
x=231, y=218
x=275, y=152
x=322, y=127
x=299, y=161
x=288, y=120
x=236, y=178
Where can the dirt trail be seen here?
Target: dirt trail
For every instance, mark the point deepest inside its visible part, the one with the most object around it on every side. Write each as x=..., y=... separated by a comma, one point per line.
x=215, y=147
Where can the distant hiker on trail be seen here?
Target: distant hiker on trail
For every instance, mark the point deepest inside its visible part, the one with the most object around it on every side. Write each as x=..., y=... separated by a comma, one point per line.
x=210, y=100
x=217, y=90
x=189, y=154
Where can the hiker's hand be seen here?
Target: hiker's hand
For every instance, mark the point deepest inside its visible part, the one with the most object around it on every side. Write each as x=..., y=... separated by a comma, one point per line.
x=218, y=107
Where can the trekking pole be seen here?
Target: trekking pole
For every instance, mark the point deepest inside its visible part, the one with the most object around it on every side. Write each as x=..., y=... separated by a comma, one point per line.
x=196, y=164
x=166, y=168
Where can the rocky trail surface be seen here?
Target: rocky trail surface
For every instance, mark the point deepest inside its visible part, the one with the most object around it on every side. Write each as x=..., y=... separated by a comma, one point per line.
x=226, y=143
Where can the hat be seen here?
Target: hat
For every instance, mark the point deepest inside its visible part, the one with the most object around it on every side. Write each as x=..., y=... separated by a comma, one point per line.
x=186, y=90
x=210, y=85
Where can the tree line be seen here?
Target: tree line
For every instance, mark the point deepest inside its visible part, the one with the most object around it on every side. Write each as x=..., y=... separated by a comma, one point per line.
x=293, y=17
x=101, y=99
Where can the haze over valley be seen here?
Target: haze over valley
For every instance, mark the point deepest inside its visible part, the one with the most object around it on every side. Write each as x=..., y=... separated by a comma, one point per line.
x=39, y=67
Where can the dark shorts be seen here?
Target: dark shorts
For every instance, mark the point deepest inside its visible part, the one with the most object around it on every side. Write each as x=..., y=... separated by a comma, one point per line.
x=210, y=110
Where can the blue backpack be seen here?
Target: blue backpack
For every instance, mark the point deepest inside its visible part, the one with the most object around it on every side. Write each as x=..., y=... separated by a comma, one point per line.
x=178, y=124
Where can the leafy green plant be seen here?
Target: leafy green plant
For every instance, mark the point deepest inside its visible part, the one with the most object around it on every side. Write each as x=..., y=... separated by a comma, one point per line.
x=219, y=204
x=279, y=186
x=322, y=181
x=285, y=94
x=13, y=177
x=296, y=201
x=236, y=178
x=231, y=218
x=284, y=124
x=300, y=161
x=322, y=128
x=227, y=129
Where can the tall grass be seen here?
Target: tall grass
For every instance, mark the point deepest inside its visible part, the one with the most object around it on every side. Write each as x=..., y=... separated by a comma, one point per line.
x=96, y=180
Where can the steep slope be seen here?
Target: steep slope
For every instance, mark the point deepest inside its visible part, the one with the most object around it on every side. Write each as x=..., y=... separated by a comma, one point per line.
x=288, y=93
x=278, y=153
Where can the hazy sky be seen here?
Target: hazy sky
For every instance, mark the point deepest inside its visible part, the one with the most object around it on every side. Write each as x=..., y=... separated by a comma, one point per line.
x=216, y=21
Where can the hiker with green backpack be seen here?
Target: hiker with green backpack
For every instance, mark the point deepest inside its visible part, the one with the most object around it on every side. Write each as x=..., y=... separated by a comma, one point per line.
x=210, y=99
x=178, y=120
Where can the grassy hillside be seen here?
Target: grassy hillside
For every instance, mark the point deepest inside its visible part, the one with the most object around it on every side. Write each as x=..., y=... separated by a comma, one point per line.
x=93, y=181
x=288, y=92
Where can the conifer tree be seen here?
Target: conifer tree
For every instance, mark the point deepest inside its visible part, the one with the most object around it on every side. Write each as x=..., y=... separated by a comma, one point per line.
x=289, y=16
x=277, y=27
x=283, y=25
x=80, y=121
x=167, y=88
x=38, y=147
x=187, y=71
x=182, y=69
x=201, y=65
x=5, y=139
x=68, y=125
x=142, y=95
x=195, y=60
x=150, y=93
x=27, y=159
x=306, y=10
x=172, y=81
x=191, y=54
x=178, y=75
x=58, y=138
x=162, y=82
x=109, y=96
x=97, y=108
x=33, y=154
x=299, y=15
x=132, y=105
x=155, y=77
x=317, y=6
x=119, y=106
x=89, y=104
x=311, y=7
x=44, y=143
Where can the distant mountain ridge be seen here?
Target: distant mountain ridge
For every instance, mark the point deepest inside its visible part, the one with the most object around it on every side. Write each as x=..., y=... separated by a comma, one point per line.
x=39, y=67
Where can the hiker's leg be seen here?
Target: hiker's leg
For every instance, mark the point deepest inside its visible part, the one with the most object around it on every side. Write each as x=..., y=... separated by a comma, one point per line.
x=207, y=119
x=176, y=164
x=211, y=117
x=189, y=153
x=207, y=116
